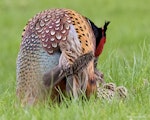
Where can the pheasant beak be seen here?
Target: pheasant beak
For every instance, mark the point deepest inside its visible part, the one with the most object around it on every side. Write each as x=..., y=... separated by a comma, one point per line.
x=99, y=49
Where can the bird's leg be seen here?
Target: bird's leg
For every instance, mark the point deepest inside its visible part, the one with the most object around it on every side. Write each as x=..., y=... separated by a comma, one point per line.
x=70, y=86
x=57, y=74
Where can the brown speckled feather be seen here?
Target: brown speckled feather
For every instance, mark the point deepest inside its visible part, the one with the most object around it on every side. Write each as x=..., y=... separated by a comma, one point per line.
x=53, y=37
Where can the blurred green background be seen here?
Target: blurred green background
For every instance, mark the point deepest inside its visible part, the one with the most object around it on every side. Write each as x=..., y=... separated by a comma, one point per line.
x=128, y=37
x=129, y=28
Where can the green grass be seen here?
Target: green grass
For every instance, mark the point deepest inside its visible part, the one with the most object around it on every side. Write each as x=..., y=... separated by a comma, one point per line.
x=125, y=60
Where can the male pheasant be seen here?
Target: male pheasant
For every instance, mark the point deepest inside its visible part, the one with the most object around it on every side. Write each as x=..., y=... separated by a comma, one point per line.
x=51, y=42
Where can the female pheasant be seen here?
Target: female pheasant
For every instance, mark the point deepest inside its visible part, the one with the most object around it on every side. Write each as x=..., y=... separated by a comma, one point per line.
x=52, y=43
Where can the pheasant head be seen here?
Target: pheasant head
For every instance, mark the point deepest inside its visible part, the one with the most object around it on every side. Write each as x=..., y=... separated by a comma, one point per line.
x=100, y=35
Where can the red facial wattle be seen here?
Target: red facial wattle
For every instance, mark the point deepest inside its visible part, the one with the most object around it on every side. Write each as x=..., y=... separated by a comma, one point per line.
x=99, y=49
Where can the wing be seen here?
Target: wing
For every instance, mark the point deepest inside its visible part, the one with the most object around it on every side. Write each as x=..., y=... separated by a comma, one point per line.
x=59, y=74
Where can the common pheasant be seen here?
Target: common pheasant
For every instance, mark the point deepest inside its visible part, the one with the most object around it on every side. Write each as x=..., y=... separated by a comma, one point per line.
x=52, y=42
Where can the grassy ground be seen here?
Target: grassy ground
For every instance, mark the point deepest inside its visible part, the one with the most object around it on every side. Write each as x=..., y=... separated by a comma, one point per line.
x=125, y=60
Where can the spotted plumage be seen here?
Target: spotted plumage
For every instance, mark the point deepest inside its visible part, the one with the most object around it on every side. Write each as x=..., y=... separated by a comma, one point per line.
x=52, y=26
x=51, y=41
x=109, y=91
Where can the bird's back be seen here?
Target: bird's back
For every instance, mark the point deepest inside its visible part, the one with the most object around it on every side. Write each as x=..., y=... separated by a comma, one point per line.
x=40, y=48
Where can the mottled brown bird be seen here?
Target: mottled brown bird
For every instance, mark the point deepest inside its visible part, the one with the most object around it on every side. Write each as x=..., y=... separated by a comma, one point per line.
x=51, y=43
x=109, y=91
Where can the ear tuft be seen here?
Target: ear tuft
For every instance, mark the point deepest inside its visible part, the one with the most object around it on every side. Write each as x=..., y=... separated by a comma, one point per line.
x=106, y=24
